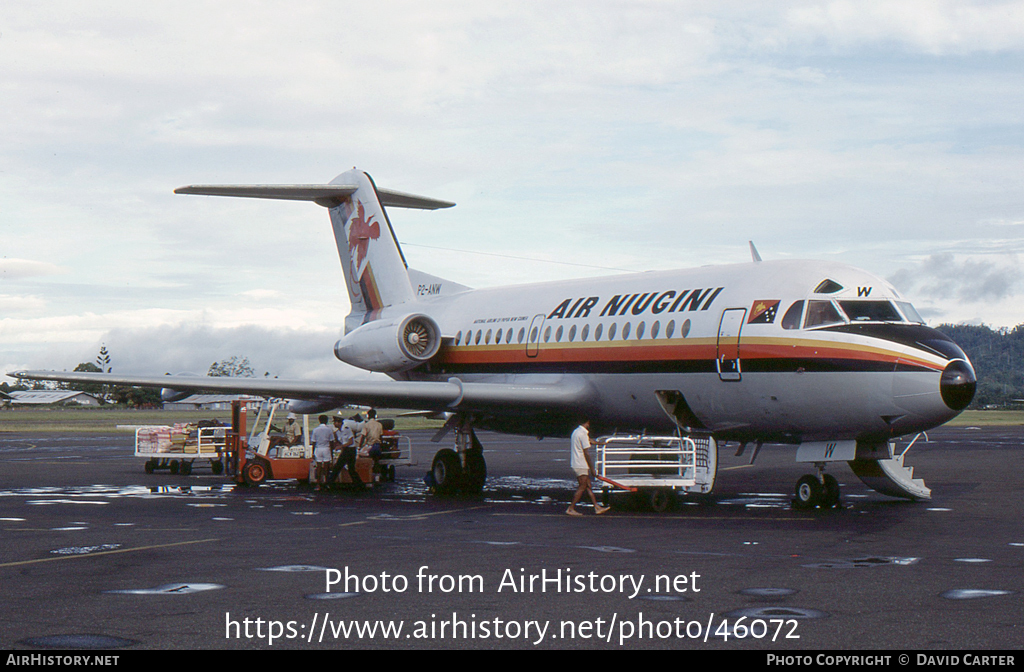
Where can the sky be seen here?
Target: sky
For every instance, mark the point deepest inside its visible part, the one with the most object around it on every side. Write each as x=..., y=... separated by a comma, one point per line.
x=577, y=139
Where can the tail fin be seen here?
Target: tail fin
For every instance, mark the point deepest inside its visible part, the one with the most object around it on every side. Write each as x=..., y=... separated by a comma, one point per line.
x=375, y=269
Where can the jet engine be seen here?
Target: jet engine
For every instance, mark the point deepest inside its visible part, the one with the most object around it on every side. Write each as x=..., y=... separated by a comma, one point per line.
x=313, y=406
x=390, y=345
x=172, y=395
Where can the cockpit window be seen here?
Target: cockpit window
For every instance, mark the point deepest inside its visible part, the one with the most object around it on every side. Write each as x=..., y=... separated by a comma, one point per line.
x=909, y=312
x=870, y=311
x=820, y=313
x=827, y=286
x=791, y=320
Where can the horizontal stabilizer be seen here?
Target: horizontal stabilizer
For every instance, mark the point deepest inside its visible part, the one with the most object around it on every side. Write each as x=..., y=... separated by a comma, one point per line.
x=327, y=195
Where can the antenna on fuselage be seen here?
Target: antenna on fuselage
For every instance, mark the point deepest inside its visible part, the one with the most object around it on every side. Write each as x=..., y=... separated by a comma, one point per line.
x=753, y=252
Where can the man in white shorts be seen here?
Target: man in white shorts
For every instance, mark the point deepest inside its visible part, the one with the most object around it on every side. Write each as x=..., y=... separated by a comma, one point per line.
x=583, y=466
x=322, y=437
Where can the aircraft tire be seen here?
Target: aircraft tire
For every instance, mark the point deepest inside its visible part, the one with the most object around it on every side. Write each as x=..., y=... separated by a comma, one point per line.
x=174, y=466
x=661, y=499
x=830, y=497
x=217, y=467
x=476, y=473
x=254, y=473
x=150, y=466
x=447, y=472
x=186, y=468
x=809, y=492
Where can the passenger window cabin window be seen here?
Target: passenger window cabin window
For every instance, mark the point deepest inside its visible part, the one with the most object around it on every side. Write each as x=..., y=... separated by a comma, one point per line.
x=670, y=329
x=572, y=333
x=522, y=334
x=684, y=330
x=597, y=332
x=479, y=335
x=585, y=332
x=497, y=336
x=640, y=328
x=458, y=338
x=611, y=332
x=558, y=334
x=487, y=338
x=821, y=313
x=547, y=334
x=625, y=332
x=791, y=320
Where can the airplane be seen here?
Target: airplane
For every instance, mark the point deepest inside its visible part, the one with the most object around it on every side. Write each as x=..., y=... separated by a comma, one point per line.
x=822, y=355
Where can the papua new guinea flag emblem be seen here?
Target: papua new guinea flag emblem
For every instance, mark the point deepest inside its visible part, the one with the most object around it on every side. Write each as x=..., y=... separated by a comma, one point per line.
x=763, y=312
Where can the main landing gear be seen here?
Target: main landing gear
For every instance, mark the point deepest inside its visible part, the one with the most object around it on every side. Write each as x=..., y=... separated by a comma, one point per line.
x=462, y=470
x=817, y=490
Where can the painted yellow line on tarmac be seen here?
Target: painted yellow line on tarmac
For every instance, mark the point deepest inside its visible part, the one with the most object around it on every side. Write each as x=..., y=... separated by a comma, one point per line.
x=93, y=555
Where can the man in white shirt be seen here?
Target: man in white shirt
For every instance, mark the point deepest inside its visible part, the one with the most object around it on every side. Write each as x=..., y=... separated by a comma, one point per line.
x=583, y=466
x=345, y=438
x=322, y=437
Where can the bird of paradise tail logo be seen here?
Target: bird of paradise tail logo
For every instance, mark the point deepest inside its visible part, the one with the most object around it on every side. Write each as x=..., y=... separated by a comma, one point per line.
x=361, y=229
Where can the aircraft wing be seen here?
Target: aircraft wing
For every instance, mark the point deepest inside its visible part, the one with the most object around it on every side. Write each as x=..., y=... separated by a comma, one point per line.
x=569, y=393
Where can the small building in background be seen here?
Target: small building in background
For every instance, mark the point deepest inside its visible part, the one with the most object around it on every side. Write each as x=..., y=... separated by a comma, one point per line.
x=52, y=398
x=212, y=402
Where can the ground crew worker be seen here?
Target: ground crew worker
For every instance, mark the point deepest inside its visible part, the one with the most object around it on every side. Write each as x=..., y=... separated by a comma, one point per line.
x=369, y=438
x=345, y=440
x=583, y=466
x=292, y=430
x=322, y=437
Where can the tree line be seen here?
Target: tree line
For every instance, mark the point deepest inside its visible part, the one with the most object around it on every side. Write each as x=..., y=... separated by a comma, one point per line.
x=998, y=359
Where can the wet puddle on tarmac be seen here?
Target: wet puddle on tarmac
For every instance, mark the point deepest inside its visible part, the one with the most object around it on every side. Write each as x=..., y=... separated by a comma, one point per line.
x=169, y=589
x=871, y=561
x=84, y=550
x=972, y=593
x=88, y=494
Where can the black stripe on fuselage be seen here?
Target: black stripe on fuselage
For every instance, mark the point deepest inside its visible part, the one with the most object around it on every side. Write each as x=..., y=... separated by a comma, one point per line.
x=917, y=336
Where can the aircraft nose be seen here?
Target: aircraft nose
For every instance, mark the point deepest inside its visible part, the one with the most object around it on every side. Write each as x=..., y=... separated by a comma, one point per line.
x=958, y=384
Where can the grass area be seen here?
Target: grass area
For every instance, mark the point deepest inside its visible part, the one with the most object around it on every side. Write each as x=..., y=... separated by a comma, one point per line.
x=987, y=419
x=103, y=420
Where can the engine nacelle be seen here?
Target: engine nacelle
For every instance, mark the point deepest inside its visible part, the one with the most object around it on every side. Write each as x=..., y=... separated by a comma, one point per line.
x=172, y=395
x=390, y=345
x=311, y=406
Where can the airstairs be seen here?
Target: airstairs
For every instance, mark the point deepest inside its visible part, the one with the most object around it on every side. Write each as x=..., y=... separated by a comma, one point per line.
x=891, y=476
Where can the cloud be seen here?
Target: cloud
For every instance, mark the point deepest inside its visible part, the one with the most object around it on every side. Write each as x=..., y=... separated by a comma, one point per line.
x=942, y=276
x=11, y=269
x=929, y=26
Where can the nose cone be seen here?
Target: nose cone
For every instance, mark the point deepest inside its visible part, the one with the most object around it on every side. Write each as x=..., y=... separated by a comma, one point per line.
x=958, y=384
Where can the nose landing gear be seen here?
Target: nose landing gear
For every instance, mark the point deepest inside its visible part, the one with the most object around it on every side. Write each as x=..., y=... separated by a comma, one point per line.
x=817, y=490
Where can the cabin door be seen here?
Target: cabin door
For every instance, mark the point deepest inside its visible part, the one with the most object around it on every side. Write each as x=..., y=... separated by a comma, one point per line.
x=728, y=360
x=533, y=335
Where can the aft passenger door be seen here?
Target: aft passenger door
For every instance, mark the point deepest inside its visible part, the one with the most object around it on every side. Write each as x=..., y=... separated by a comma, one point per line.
x=533, y=335
x=728, y=359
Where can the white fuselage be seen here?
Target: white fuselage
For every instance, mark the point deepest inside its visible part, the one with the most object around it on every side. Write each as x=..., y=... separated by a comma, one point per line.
x=716, y=335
